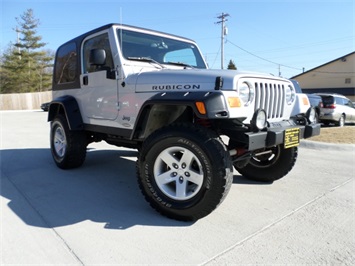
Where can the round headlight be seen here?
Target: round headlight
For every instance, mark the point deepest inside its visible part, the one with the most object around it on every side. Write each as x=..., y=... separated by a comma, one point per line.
x=246, y=93
x=290, y=94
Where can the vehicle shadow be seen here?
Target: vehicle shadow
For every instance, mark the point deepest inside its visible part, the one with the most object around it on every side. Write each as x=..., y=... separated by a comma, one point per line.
x=241, y=180
x=103, y=190
x=332, y=125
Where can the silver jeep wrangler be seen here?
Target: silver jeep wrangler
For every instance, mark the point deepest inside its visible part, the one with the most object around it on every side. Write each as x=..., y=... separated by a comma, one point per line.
x=152, y=91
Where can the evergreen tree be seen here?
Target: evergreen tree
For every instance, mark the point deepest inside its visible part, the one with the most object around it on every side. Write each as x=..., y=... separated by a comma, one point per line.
x=24, y=67
x=231, y=65
x=12, y=69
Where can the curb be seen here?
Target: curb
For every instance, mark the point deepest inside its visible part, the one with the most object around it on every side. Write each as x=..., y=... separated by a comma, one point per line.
x=316, y=145
x=22, y=111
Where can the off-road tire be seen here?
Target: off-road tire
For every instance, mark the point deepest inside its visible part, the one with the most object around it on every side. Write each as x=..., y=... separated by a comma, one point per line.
x=270, y=167
x=68, y=147
x=192, y=186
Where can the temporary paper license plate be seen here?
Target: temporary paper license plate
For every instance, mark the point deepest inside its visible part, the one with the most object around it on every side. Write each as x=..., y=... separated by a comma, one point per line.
x=292, y=137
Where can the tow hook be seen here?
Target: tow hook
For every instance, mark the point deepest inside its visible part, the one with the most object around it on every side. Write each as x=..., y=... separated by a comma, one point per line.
x=240, y=154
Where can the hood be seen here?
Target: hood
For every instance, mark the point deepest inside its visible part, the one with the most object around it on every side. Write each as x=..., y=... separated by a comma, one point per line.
x=190, y=79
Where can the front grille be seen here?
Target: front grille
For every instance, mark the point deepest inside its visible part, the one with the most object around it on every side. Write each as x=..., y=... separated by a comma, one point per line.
x=270, y=97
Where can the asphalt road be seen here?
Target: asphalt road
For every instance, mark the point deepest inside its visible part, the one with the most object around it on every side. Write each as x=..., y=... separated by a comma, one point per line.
x=97, y=215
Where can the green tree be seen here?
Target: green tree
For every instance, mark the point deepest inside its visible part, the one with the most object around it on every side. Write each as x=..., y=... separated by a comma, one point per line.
x=231, y=65
x=11, y=72
x=24, y=66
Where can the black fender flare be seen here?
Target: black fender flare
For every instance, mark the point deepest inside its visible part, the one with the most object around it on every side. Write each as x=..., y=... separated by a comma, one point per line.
x=215, y=105
x=68, y=106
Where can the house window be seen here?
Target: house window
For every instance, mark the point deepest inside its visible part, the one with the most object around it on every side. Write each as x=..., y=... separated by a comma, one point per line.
x=347, y=80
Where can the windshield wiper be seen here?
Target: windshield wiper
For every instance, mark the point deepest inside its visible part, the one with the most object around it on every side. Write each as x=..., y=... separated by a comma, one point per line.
x=179, y=64
x=145, y=59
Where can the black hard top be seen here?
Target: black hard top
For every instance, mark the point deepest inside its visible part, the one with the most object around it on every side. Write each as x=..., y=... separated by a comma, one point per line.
x=80, y=38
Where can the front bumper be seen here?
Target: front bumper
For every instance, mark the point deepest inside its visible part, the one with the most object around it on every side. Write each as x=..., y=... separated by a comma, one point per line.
x=277, y=135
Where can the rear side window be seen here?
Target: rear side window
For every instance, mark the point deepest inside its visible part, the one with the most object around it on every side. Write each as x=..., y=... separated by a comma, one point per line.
x=340, y=101
x=66, y=64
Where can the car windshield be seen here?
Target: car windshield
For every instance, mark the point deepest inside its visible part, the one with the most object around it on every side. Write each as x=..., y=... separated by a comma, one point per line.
x=163, y=50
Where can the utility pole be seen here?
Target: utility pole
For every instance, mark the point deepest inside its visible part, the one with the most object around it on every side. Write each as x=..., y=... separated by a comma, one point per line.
x=223, y=33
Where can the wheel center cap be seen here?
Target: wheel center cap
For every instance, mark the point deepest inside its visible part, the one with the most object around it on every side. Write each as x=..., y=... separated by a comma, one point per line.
x=180, y=171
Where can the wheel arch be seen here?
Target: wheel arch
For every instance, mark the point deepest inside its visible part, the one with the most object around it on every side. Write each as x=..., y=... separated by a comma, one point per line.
x=67, y=106
x=167, y=108
x=154, y=116
x=317, y=110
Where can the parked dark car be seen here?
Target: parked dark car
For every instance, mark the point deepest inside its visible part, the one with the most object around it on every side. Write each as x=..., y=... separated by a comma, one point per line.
x=45, y=106
x=316, y=102
x=336, y=109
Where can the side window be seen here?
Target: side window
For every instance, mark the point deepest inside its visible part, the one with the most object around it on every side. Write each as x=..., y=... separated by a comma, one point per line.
x=339, y=100
x=349, y=103
x=344, y=101
x=97, y=42
x=66, y=64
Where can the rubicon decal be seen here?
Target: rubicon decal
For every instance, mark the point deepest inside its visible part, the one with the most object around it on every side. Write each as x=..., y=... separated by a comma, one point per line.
x=177, y=87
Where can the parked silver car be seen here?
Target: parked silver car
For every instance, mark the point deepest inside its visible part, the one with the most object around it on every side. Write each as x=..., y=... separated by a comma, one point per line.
x=336, y=109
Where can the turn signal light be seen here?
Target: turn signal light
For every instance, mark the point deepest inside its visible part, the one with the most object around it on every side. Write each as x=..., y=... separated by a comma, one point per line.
x=305, y=100
x=201, y=108
x=234, y=102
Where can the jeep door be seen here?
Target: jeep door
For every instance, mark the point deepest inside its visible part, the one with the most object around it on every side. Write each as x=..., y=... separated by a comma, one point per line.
x=98, y=82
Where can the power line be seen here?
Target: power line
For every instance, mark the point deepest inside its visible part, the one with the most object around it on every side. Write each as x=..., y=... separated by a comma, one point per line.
x=216, y=57
x=279, y=65
x=264, y=59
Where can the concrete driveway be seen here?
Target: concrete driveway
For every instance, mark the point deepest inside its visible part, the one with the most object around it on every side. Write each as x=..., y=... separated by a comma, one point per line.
x=96, y=214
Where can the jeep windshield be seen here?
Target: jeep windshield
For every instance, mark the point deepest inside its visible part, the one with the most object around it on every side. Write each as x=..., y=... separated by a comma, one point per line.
x=159, y=49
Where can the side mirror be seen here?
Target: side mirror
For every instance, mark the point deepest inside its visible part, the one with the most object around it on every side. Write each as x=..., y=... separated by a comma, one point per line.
x=97, y=57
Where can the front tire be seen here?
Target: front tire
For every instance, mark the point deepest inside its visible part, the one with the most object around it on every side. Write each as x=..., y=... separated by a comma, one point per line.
x=184, y=171
x=270, y=165
x=68, y=147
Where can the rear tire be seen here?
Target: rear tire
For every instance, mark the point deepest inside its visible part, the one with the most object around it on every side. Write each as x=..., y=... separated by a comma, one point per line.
x=68, y=147
x=184, y=171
